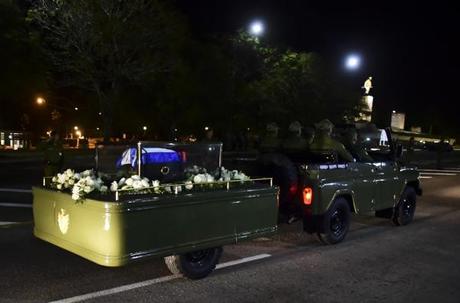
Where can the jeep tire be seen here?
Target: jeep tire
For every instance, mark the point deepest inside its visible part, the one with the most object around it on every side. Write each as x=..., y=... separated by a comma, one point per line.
x=194, y=265
x=405, y=209
x=336, y=222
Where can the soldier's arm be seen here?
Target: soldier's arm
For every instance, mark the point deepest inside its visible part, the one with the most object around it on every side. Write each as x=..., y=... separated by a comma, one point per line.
x=343, y=153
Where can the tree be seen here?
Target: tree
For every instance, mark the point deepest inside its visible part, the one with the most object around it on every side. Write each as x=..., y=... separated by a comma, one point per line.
x=104, y=46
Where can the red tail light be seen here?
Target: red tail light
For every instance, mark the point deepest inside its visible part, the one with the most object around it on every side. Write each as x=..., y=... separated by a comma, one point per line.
x=307, y=195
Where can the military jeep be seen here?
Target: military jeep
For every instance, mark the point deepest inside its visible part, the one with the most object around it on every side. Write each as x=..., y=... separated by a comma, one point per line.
x=323, y=190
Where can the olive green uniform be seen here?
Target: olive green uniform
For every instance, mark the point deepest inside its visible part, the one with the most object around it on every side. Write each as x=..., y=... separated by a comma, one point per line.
x=53, y=158
x=270, y=144
x=295, y=143
x=359, y=152
x=323, y=142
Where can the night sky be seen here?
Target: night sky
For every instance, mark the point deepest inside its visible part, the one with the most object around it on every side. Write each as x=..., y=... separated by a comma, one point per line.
x=410, y=49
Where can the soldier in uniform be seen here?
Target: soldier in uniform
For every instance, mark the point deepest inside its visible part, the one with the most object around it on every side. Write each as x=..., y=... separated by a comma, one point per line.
x=354, y=147
x=295, y=141
x=53, y=155
x=323, y=141
x=270, y=142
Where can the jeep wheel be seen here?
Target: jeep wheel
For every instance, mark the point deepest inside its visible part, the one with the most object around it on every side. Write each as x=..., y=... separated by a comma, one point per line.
x=336, y=223
x=194, y=265
x=405, y=209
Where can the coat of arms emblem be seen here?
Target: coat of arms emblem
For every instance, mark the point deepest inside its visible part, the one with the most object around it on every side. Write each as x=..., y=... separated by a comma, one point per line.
x=63, y=221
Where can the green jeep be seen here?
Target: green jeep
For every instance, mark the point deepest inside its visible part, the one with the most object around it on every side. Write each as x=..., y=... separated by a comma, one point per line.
x=323, y=191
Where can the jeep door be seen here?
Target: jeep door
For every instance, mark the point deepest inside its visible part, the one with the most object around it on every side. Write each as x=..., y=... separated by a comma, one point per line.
x=363, y=186
x=388, y=184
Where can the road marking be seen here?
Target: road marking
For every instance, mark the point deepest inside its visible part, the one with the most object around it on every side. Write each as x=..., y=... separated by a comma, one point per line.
x=128, y=287
x=438, y=174
x=116, y=290
x=20, y=205
x=440, y=170
x=426, y=177
x=15, y=190
x=4, y=224
x=243, y=260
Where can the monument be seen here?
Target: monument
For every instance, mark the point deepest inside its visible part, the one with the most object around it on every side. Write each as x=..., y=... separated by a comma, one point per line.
x=367, y=102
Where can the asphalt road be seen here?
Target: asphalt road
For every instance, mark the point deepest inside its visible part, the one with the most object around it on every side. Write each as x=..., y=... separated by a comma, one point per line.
x=377, y=262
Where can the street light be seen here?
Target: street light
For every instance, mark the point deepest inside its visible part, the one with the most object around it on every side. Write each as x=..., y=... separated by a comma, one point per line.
x=256, y=28
x=40, y=101
x=352, y=62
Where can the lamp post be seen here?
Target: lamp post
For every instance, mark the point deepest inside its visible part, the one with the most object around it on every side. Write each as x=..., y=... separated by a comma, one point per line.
x=256, y=28
x=352, y=62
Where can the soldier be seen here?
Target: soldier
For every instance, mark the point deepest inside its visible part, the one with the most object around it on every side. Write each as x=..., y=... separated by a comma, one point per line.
x=354, y=147
x=323, y=141
x=270, y=142
x=295, y=141
x=53, y=155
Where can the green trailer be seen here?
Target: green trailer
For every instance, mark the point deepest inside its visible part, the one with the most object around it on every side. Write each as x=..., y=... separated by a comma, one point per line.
x=186, y=227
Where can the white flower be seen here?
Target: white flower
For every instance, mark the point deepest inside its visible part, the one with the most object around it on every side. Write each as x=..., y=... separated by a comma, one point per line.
x=209, y=178
x=87, y=189
x=103, y=189
x=136, y=177
x=76, y=176
x=76, y=189
x=66, y=185
x=59, y=186
x=155, y=183
x=137, y=184
x=200, y=178
x=145, y=183
x=87, y=173
x=75, y=197
x=114, y=186
x=71, y=182
x=188, y=185
x=89, y=181
x=122, y=181
x=129, y=182
x=61, y=178
x=168, y=189
x=69, y=173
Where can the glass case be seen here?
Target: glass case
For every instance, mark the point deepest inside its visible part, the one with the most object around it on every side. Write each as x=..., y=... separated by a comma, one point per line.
x=163, y=161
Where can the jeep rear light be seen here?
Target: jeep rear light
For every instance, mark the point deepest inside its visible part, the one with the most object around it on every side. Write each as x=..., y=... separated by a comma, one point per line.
x=307, y=195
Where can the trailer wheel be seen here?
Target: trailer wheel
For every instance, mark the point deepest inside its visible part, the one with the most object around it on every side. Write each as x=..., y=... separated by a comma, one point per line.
x=405, y=209
x=336, y=223
x=194, y=265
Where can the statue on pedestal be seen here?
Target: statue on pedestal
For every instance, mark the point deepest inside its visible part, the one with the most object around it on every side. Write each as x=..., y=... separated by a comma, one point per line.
x=367, y=85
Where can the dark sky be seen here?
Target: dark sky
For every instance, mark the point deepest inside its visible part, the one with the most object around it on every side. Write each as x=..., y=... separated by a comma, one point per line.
x=410, y=49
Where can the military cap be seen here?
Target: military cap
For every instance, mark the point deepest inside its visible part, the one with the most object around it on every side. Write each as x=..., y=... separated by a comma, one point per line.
x=324, y=124
x=272, y=127
x=295, y=126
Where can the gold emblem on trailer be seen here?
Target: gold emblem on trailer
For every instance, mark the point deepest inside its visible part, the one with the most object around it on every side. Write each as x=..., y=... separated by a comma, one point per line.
x=63, y=221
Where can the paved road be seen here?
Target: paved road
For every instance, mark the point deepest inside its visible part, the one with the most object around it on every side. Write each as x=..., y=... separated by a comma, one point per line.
x=377, y=262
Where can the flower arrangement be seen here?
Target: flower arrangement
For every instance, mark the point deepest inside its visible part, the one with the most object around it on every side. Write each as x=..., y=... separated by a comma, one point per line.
x=86, y=182
x=80, y=184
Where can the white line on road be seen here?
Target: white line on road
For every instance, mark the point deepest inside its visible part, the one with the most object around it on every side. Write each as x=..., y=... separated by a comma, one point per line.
x=440, y=170
x=128, y=287
x=15, y=190
x=20, y=205
x=426, y=177
x=243, y=260
x=6, y=223
x=437, y=174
